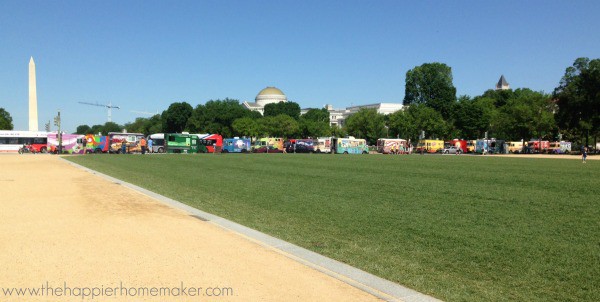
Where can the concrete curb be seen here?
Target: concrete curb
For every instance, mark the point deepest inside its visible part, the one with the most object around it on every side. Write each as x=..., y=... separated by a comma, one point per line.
x=379, y=287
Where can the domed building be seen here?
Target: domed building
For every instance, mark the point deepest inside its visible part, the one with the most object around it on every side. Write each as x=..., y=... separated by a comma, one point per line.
x=266, y=96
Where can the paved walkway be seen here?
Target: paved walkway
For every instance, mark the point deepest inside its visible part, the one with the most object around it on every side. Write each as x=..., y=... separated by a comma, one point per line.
x=79, y=234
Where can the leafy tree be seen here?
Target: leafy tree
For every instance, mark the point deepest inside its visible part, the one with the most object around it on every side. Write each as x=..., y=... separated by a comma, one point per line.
x=367, y=124
x=288, y=108
x=528, y=115
x=309, y=128
x=279, y=126
x=578, y=97
x=408, y=124
x=287, y=126
x=431, y=84
x=315, y=123
x=96, y=129
x=472, y=117
x=5, y=120
x=155, y=124
x=140, y=125
x=111, y=127
x=145, y=125
x=500, y=97
x=317, y=115
x=401, y=124
x=338, y=131
x=245, y=126
x=217, y=116
x=175, y=118
x=83, y=129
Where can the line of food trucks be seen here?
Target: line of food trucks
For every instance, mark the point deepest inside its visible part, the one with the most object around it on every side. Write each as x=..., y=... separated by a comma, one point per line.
x=494, y=146
x=209, y=143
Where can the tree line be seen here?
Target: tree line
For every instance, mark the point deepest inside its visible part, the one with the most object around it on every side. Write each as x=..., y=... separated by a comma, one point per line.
x=229, y=118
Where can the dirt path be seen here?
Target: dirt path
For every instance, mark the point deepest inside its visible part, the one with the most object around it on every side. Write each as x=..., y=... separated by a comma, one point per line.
x=82, y=234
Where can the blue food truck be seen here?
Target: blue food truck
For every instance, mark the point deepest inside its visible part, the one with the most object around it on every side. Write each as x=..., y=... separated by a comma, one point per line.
x=236, y=145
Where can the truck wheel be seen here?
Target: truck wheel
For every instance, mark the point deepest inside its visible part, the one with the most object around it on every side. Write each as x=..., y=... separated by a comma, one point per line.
x=345, y=152
x=161, y=150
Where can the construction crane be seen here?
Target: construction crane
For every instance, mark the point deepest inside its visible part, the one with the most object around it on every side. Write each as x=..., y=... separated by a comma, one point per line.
x=109, y=107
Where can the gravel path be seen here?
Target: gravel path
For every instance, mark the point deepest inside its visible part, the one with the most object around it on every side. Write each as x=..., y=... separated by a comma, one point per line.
x=64, y=228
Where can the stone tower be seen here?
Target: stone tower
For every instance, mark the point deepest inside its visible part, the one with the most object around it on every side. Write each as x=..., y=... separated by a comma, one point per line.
x=33, y=113
x=502, y=84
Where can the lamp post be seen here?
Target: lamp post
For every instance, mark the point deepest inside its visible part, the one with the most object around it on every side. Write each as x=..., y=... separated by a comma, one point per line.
x=58, y=134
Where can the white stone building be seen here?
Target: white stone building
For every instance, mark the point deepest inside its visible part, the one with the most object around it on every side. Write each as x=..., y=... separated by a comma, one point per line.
x=338, y=116
x=266, y=96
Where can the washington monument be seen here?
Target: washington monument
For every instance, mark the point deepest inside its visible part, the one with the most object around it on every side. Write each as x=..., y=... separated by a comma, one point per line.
x=33, y=114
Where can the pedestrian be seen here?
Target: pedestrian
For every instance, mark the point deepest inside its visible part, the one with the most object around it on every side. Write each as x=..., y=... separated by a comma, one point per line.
x=150, y=143
x=584, y=155
x=143, y=145
x=124, y=147
x=84, y=145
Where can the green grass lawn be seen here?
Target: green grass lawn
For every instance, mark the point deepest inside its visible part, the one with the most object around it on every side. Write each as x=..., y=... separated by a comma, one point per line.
x=460, y=228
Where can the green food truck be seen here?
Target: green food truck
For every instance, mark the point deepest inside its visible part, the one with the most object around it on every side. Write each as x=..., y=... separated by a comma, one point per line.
x=183, y=143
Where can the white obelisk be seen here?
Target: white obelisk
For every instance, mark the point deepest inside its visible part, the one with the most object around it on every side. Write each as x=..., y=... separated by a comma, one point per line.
x=33, y=114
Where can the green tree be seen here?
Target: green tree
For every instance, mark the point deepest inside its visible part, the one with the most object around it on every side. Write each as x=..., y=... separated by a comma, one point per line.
x=155, y=124
x=288, y=108
x=281, y=125
x=96, y=129
x=401, y=124
x=528, y=115
x=309, y=128
x=367, y=124
x=315, y=123
x=578, y=98
x=111, y=127
x=431, y=84
x=83, y=129
x=317, y=115
x=175, y=118
x=338, y=131
x=140, y=125
x=472, y=117
x=245, y=126
x=5, y=120
x=217, y=116
x=409, y=123
x=500, y=97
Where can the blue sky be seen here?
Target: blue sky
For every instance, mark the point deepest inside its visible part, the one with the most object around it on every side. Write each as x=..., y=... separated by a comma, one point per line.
x=145, y=55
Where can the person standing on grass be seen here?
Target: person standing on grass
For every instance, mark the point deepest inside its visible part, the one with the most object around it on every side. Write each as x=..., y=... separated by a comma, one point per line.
x=150, y=143
x=143, y=145
x=123, y=147
x=584, y=155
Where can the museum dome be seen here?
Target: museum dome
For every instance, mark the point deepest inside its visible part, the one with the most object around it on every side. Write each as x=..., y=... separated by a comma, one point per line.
x=270, y=95
x=270, y=91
